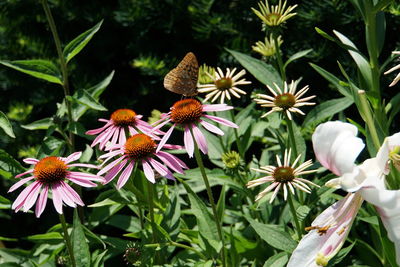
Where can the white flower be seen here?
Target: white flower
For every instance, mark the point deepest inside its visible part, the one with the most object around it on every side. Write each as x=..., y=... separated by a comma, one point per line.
x=336, y=148
x=397, y=78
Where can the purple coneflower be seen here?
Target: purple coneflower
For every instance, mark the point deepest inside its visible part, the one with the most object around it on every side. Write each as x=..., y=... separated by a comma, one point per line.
x=51, y=173
x=140, y=149
x=189, y=113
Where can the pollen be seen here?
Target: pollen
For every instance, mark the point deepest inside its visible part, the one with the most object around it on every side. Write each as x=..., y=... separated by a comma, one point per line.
x=283, y=174
x=224, y=83
x=124, y=117
x=50, y=170
x=139, y=146
x=285, y=101
x=186, y=111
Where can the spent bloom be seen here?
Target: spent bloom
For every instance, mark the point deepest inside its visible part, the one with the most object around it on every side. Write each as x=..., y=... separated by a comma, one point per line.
x=336, y=148
x=52, y=173
x=223, y=85
x=397, y=67
x=190, y=114
x=114, y=131
x=267, y=48
x=274, y=15
x=286, y=100
x=139, y=149
x=285, y=176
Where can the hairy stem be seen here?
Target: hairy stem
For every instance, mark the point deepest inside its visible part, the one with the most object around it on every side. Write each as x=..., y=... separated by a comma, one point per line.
x=67, y=240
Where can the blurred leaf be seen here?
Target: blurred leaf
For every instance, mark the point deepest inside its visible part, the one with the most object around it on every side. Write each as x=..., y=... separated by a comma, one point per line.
x=393, y=107
x=324, y=34
x=262, y=71
x=42, y=124
x=124, y=222
x=388, y=246
x=326, y=109
x=6, y=125
x=9, y=167
x=76, y=45
x=333, y=80
x=278, y=260
x=296, y=56
x=79, y=245
x=2, y=238
x=302, y=212
x=51, y=146
x=105, y=202
x=221, y=203
x=98, y=261
x=83, y=97
x=46, y=236
x=42, y=69
x=274, y=236
x=341, y=255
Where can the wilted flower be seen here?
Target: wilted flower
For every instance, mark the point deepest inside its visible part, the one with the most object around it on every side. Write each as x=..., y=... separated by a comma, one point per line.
x=274, y=15
x=223, y=85
x=267, y=48
x=286, y=100
x=397, y=78
x=285, y=176
x=336, y=148
x=188, y=114
x=139, y=149
x=114, y=129
x=51, y=173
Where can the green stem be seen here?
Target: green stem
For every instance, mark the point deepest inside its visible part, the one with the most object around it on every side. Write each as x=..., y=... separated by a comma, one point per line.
x=279, y=57
x=210, y=197
x=238, y=143
x=373, y=51
x=67, y=240
x=292, y=139
x=151, y=210
x=369, y=119
x=64, y=71
x=179, y=245
x=294, y=215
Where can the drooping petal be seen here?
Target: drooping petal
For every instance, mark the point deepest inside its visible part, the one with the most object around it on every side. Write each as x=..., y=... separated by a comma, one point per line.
x=188, y=141
x=222, y=121
x=73, y=195
x=72, y=157
x=165, y=138
x=216, y=107
x=42, y=201
x=31, y=198
x=336, y=146
x=20, y=183
x=125, y=175
x=57, y=198
x=31, y=161
x=148, y=171
x=211, y=128
x=24, y=173
x=170, y=161
x=114, y=171
x=19, y=202
x=200, y=139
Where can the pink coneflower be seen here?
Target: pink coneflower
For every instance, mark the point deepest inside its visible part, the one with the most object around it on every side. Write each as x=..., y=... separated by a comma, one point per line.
x=140, y=149
x=114, y=130
x=189, y=113
x=51, y=173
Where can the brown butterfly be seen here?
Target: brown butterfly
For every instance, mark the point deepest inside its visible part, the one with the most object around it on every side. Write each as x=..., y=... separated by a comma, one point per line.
x=183, y=79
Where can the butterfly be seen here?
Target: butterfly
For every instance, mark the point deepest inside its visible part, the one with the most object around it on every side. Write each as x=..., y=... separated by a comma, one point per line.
x=183, y=79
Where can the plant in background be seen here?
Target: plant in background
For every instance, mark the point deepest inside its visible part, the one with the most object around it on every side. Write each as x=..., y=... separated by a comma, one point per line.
x=268, y=47
x=274, y=15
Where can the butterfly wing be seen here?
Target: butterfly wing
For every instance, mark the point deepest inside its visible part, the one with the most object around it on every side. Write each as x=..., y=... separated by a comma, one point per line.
x=183, y=79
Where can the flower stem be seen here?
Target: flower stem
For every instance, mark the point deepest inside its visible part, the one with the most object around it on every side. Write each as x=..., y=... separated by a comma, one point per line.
x=67, y=240
x=210, y=197
x=291, y=139
x=179, y=245
x=238, y=143
x=151, y=210
x=294, y=215
x=369, y=119
x=64, y=71
x=279, y=57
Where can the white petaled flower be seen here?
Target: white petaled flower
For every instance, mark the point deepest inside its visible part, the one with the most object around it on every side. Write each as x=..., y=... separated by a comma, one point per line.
x=223, y=85
x=274, y=15
x=283, y=176
x=336, y=148
x=267, y=48
x=397, y=67
x=286, y=100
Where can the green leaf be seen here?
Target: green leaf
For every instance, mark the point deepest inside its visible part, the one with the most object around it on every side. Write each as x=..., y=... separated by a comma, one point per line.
x=326, y=109
x=2, y=238
x=6, y=125
x=76, y=45
x=302, y=212
x=359, y=59
x=79, y=245
x=83, y=97
x=341, y=255
x=9, y=167
x=42, y=124
x=98, y=261
x=278, y=260
x=262, y=71
x=333, y=80
x=46, y=236
x=42, y=69
x=393, y=107
x=296, y=56
x=274, y=236
x=221, y=203
x=324, y=34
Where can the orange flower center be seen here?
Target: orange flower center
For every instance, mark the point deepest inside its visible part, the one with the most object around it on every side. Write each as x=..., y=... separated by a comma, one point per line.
x=186, y=111
x=223, y=84
x=283, y=174
x=50, y=170
x=124, y=117
x=285, y=101
x=139, y=146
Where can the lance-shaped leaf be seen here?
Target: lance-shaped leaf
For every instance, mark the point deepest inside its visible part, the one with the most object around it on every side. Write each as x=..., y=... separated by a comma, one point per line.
x=83, y=97
x=79, y=244
x=39, y=68
x=6, y=125
x=76, y=45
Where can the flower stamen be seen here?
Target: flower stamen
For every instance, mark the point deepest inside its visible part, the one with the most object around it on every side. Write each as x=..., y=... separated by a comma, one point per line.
x=186, y=111
x=50, y=170
x=124, y=117
x=139, y=146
